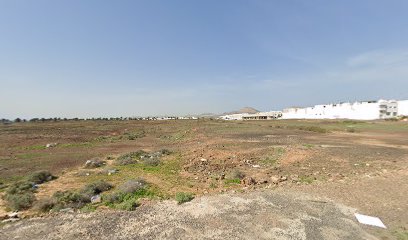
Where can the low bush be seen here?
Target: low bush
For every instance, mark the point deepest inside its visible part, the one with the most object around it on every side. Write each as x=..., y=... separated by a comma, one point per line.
x=182, y=197
x=70, y=199
x=132, y=186
x=40, y=177
x=151, y=161
x=165, y=151
x=45, y=205
x=130, y=158
x=20, y=188
x=20, y=201
x=129, y=204
x=236, y=174
x=95, y=188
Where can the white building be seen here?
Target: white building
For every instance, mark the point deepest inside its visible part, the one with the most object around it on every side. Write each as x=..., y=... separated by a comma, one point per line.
x=263, y=116
x=403, y=108
x=367, y=110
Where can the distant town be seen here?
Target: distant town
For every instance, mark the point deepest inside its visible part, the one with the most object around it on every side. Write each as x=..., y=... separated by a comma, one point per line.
x=363, y=110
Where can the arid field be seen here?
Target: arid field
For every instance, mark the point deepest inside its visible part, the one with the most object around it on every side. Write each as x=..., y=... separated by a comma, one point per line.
x=359, y=164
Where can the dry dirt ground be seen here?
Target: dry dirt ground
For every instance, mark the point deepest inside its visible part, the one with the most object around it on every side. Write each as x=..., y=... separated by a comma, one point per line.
x=255, y=215
x=287, y=166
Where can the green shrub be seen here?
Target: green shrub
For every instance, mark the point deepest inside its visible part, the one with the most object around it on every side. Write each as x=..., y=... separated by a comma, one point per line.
x=88, y=208
x=39, y=177
x=182, y=197
x=20, y=201
x=20, y=188
x=70, y=199
x=95, y=188
x=129, y=204
x=232, y=181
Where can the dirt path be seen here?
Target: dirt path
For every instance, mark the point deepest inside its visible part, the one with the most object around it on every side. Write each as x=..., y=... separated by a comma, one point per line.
x=256, y=215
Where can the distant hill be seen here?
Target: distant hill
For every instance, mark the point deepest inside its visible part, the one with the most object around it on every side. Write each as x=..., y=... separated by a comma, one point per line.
x=249, y=110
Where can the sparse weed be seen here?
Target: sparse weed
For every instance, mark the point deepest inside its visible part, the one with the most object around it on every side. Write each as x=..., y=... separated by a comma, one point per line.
x=182, y=197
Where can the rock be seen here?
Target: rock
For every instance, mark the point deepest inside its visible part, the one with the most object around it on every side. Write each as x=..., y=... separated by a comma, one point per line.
x=283, y=178
x=13, y=215
x=256, y=166
x=112, y=171
x=275, y=179
x=295, y=178
x=49, y=145
x=203, y=160
x=9, y=220
x=96, y=199
x=68, y=210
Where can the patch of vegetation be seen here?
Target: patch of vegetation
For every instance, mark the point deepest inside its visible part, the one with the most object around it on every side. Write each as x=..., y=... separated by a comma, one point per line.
x=133, y=135
x=88, y=208
x=20, y=195
x=273, y=159
x=44, y=205
x=35, y=147
x=69, y=199
x=307, y=145
x=22, y=201
x=95, y=188
x=232, y=181
x=151, y=161
x=235, y=174
x=40, y=177
x=351, y=130
x=74, y=199
x=130, y=158
x=70, y=145
x=401, y=234
x=213, y=185
x=315, y=129
x=306, y=179
x=128, y=194
x=182, y=197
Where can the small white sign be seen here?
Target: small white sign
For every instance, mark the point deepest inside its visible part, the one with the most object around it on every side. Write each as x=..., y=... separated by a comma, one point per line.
x=373, y=221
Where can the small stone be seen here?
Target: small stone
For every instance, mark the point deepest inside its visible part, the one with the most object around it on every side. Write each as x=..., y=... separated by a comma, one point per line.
x=275, y=179
x=283, y=178
x=96, y=199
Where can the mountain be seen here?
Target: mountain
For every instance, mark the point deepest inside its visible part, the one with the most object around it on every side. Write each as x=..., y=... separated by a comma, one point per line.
x=249, y=110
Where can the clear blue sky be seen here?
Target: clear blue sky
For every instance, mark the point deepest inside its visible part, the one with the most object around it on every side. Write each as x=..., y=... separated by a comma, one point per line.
x=129, y=58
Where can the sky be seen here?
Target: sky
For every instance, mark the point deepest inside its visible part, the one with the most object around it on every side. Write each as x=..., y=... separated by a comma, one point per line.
x=95, y=58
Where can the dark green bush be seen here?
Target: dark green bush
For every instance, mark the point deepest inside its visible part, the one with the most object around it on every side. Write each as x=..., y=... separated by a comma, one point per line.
x=39, y=177
x=20, y=188
x=95, y=188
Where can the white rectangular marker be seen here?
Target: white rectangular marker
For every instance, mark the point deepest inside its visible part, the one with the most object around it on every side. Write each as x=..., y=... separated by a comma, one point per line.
x=373, y=221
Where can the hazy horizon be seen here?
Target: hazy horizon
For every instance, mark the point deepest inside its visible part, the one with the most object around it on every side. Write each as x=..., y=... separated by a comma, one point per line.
x=141, y=58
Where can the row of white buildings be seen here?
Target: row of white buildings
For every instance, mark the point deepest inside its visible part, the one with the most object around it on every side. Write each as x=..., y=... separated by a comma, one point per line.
x=365, y=110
